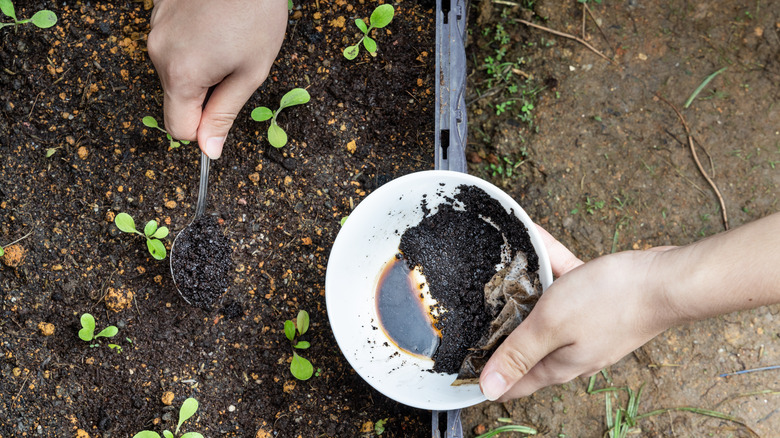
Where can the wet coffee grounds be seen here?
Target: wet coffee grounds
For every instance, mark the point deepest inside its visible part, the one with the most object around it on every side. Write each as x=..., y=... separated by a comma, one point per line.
x=458, y=252
x=200, y=262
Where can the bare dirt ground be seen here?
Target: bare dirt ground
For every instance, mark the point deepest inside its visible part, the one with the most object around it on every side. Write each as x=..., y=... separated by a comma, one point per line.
x=605, y=166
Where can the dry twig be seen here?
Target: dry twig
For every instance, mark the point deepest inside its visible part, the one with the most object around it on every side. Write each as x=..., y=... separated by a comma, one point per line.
x=569, y=36
x=698, y=163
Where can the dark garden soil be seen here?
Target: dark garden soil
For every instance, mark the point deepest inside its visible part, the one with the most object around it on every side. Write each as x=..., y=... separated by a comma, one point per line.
x=81, y=88
x=584, y=145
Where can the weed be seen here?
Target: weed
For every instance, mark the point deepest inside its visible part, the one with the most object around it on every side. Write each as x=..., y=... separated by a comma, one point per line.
x=381, y=17
x=152, y=233
x=276, y=135
x=509, y=428
x=151, y=122
x=300, y=367
x=506, y=167
x=593, y=205
x=87, y=332
x=379, y=426
x=42, y=19
x=187, y=410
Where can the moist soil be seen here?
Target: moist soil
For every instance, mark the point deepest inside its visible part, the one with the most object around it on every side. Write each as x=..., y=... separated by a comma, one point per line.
x=605, y=166
x=201, y=263
x=588, y=151
x=458, y=252
x=79, y=90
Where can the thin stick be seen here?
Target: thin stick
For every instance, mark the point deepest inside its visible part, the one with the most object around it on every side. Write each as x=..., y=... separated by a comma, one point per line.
x=752, y=370
x=584, y=37
x=698, y=163
x=604, y=35
x=569, y=36
x=18, y=240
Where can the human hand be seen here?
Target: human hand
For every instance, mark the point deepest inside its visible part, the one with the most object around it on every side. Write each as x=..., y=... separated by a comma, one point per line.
x=592, y=316
x=198, y=44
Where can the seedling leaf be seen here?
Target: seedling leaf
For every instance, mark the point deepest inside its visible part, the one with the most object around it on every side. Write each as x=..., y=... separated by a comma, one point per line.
x=156, y=248
x=302, y=345
x=150, y=121
x=150, y=228
x=161, y=233
x=125, y=223
x=382, y=16
x=108, y=332
x=296, y=96
x=379, y=426
x=301, y=368
x=370, y=45
x=276, y=136
x=167, y=434
x=7, y=6
x=50, y=152
x=87, y=327
x=302, y=321
x=188, y=409
x=2, y=251
x=147, y=434
x=191, y=435
x=351, y=52
x=261, y=114
x=289, y=330
x=44, y=19
x=361, y=25
x=343, y=220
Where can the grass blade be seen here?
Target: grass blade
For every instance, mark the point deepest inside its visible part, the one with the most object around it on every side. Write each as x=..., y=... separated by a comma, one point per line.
x=701, y=87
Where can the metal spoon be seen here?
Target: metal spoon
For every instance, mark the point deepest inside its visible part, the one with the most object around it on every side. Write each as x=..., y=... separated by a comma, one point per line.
x=199, y=210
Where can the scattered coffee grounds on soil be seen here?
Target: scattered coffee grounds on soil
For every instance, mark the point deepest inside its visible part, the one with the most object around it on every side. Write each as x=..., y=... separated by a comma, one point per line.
x=200, y=261
x=458, y=252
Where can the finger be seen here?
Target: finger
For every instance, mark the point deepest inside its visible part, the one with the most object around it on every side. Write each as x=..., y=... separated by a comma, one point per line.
x=226, y=101
x=561, y=259
x=183, y=109
x=555, y=369
x=514, y=359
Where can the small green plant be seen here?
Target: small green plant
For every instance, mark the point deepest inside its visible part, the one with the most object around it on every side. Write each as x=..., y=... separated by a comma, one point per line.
x=151, y=122
x=593, y=205
x=300, y=367
x=509, y=428
x=187, y=410
x=276, y=135
x=42, y=19
x=379, y=426
x=87, y=332
x=152, y=233
x=381, y=17
x=2, y=251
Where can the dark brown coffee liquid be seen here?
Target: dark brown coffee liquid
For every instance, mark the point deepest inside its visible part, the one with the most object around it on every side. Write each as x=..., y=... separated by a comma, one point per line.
x=402, y=315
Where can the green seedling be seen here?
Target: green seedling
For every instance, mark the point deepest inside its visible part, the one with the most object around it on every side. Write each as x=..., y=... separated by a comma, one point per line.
x=152, y=233
x=381, y=17
x=509, y=428
x=42, y=19
x=151, y=122
x=2, y=251
x=187, y=410
x=276, y=135
x=300, y=367
x=379, y=426
x=87, y=332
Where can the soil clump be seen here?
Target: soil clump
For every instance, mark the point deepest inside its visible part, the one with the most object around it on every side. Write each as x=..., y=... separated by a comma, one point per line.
x=200, y=262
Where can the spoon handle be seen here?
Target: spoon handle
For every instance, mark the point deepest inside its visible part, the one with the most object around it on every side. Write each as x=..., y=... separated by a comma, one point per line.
x=204, y=184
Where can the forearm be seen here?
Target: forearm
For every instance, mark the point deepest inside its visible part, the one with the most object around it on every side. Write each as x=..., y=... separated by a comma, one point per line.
x=731, y=271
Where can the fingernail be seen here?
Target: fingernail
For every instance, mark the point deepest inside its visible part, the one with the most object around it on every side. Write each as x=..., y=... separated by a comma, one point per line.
x=493, y=386
x=214, y=147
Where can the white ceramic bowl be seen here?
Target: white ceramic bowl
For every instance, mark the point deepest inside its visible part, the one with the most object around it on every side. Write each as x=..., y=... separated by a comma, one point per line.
x=369, y=238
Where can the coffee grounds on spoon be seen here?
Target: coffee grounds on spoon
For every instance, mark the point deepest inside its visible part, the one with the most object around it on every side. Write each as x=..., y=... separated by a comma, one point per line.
x=200, y=262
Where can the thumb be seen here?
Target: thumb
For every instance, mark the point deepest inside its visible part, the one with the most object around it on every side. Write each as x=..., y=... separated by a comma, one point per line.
x=227, y=99
x=513, y=359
